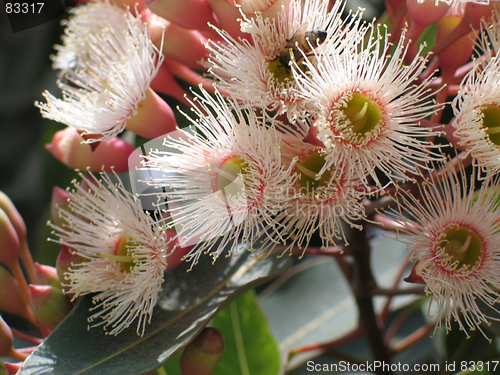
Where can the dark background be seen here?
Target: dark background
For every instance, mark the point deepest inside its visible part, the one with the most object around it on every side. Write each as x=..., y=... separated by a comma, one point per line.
x=25, y=72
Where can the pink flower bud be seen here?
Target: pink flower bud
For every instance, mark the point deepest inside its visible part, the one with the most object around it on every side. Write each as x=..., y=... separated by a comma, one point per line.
x=9, y=242
x=182, y=12
x=165, y=83
x=12, y=296
x=47, y=275
x=175, y=253
x=450, y=136
x=414, y=277
x=268, y=8
x=18, y=223
x=227, y=14
x=204, y=353
x=50, y=305
x=6, y=339
x=67, y=259
x=67, y=146
x=12, y=368
x=312, y=136
x=475, y=12
x=426, y=13
x=14, y=217
x=183, y=72
x=153, y=119
x=183, y=45
x=60, y=201
x=131, y=4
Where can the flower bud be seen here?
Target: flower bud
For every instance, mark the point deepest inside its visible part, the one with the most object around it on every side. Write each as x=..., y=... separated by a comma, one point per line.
x=47, y=275
x=67, y=146
x=12, y=368
x=414, y=277
x=10, y=249
x=60, y=201
x=185, y=46
x=450, y=136
x=183, y=72
x=67, y=259
x=312, y=136
x=426, y=13
x=9, y=242
x=175, y=252
x=227, y=15
x=204, y=353
x=153, y=118
x=12, y=299
x=475, y=12
x=6, y=339
x=182, y=14
x=14, y=217
x=268, y=8
x=165, y=83
x=50, y=305
x=18, y=223
x=131, y=4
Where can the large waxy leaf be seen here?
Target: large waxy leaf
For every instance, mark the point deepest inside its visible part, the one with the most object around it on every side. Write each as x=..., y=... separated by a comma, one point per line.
x=314, y=303
x=250, y=346
x=187, y=302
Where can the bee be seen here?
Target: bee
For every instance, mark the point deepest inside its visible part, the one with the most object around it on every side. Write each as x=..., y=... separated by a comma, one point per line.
x=303, y=40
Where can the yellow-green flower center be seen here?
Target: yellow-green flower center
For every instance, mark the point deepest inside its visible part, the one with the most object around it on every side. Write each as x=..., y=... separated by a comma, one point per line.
x=491, y=122
x=230, y=175
x=121, y=253
x=362, y=115
x=280, y=73
x=308, y=170
x=462, y=246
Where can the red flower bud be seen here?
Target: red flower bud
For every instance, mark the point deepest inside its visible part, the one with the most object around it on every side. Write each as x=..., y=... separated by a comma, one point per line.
x=47, y=275
x=204, y=353
x=50, y=305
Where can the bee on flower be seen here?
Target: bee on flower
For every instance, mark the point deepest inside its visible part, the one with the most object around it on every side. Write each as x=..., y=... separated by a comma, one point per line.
x=368, y=109
x=257, y=71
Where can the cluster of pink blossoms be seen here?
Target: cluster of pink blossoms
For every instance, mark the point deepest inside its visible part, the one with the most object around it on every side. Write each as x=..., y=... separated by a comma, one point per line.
x=307, y=119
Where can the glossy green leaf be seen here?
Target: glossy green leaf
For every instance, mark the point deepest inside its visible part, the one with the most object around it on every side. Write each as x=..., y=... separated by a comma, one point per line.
x=187, y=302
x=251, y=348
x=172, y=367
x=314, y=304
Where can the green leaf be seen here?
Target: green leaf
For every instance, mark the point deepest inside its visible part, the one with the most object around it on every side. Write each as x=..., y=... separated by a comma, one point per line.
x=173, y=366
x=251, y=349
x=314, y=303
x=187, y=302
